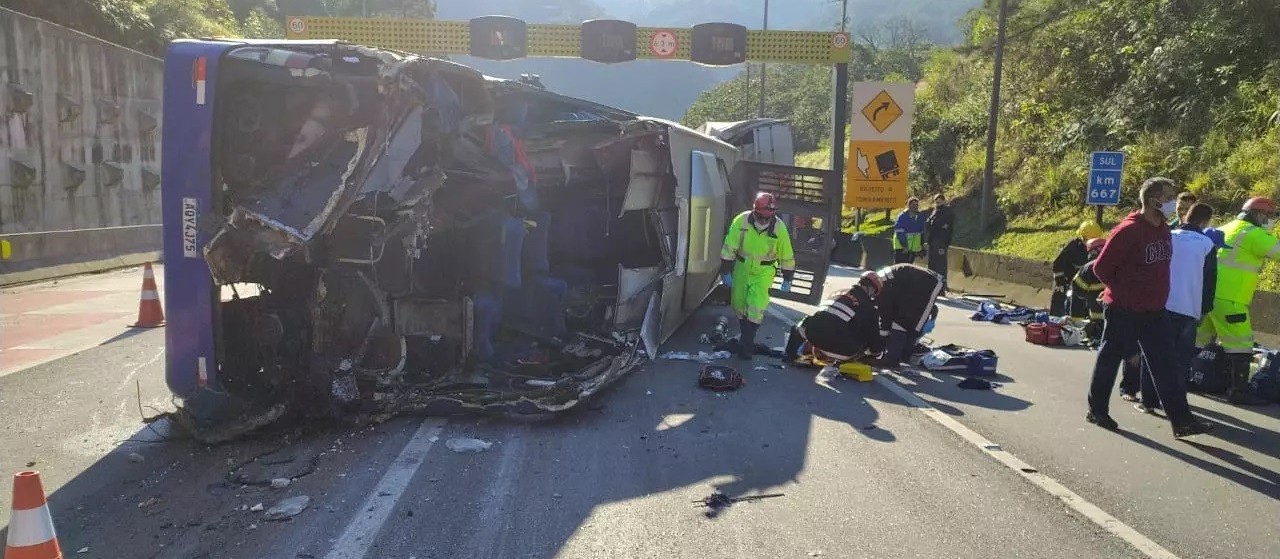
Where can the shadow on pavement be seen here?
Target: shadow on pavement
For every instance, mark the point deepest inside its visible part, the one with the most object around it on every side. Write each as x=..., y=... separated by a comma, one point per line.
x=131, y=332
x=1243, y=434
x=656, y=437
x=1258, y=479
x=937, y=387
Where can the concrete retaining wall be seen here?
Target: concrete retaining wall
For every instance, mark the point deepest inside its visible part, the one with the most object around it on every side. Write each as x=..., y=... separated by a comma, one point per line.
x=80, y=127
x=51, y=254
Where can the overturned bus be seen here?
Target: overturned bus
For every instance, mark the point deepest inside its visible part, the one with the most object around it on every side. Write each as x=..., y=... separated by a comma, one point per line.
x=356, y=232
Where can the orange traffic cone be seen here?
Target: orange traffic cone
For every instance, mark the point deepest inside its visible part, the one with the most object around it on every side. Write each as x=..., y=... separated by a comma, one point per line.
x=31, y=534
x=150, y=313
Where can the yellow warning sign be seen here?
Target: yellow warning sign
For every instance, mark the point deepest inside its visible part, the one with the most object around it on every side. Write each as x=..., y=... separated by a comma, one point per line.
x=882, y=111
x=877, y=175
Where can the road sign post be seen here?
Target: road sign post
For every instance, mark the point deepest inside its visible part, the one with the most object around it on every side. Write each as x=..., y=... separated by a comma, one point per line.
x=1106, y=175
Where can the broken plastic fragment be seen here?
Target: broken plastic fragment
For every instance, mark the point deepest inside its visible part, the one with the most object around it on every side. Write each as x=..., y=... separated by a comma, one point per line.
x=289, y=508
x=462, y=445
x=701, y=356
x=280, y=483
x=256, y=508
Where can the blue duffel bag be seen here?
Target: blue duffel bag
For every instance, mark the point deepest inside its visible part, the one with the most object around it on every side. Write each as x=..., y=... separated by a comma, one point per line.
x=1266, y=382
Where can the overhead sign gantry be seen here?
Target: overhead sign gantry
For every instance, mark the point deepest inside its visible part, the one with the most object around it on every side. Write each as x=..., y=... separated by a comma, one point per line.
x=606, y=41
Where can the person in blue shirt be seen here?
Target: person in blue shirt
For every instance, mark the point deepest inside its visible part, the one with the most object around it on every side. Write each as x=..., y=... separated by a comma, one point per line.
x=908, y=233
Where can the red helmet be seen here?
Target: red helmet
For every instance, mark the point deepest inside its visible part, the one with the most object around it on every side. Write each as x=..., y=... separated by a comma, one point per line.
x=1095, y=244
x=872, y=282
x=1265, y=205
x=766, y=205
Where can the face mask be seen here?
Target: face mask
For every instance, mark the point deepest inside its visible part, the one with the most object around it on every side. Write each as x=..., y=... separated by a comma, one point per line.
x=1169, y=208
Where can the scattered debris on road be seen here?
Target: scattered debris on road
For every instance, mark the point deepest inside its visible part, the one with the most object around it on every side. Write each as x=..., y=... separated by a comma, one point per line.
x=720, y=378
x=465, y=445
x=256, y=508
x=718, y=501
x=265, y=470
x=149, y=503
x=719, y=333
x=135, y=457
x=280, y=483
x=701, y=356
x=288, y=508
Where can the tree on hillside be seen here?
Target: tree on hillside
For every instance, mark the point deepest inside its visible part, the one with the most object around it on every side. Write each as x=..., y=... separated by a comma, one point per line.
x=1188, y=88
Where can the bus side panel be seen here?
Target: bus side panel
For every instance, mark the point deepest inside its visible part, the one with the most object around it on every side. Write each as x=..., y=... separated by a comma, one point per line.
x=190, y=69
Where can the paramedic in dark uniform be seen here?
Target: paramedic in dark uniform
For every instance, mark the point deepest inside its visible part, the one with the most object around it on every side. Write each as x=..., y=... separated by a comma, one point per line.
x=1068, y=263
x=1086, y=288
x=846, y=329
x=906, y=302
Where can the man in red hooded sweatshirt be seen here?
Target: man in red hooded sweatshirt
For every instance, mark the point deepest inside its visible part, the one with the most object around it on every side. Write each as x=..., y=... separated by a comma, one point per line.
x=1134, y=265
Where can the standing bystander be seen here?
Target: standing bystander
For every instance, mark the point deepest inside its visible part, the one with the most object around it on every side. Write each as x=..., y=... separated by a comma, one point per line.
x=1193, y=277
x=1134, y=265
x=908, y=231
x=1185, y=201
x=938, y=233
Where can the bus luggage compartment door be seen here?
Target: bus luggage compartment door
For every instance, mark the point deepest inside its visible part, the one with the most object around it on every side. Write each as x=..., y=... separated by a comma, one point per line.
x=809, y=204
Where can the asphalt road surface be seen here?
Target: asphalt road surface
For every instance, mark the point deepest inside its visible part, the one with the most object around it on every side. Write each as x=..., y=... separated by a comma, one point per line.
x=859, y=469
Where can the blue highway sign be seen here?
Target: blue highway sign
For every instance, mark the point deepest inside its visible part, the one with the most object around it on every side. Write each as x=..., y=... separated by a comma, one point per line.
x=1106, y=171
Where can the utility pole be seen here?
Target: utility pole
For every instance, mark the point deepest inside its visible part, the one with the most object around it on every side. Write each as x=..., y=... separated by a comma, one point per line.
x=989, y=178
x=763, y=67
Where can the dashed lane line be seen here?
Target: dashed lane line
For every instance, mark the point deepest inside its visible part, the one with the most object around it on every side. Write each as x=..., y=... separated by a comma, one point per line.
x=362, y=533
x=1051, y=486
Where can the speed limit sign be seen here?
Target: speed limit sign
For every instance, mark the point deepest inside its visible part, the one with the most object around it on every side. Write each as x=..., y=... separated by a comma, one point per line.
x=297, y=25
x=840, y=40
x=663, y=44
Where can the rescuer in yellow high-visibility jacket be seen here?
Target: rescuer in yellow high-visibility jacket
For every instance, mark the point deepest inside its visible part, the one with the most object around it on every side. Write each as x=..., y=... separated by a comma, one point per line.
x=1249, y=243
x=755, y=247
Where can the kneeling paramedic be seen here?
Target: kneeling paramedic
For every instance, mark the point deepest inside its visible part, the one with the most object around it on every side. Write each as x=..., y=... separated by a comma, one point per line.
x=1086, y=292
x=756, y=246
x=1249, y=244
x=846, y=329
x=907, y=305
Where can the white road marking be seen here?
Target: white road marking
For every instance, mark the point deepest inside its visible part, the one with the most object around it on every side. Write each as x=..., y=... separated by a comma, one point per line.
x=362, y=533
x=489, y=538
x=1049, y=485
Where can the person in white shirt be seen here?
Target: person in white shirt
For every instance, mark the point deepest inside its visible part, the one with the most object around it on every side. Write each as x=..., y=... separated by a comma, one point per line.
x=1193, y=278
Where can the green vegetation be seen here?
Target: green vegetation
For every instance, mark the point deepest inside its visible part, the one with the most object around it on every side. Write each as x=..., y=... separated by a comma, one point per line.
x=148, y=25
x=1189, y=89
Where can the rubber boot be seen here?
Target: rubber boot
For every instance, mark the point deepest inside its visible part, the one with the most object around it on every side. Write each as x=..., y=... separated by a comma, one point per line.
x=1240, y=393
x=895, y=347
x=747, y=341
x=794, y=341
